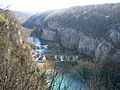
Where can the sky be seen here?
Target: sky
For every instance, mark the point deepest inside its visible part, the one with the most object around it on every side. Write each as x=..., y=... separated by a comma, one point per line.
x=35, y=6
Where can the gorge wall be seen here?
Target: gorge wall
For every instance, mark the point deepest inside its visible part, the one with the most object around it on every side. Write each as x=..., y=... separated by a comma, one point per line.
x=86, y=29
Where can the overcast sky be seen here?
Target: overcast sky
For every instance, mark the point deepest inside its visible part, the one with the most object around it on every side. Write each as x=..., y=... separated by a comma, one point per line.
x=43, y=5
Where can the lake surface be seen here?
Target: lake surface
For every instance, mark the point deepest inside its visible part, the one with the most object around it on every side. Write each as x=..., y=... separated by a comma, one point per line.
x=68, y=82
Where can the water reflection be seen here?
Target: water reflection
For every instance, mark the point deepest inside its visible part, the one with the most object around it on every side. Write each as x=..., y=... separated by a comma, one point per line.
x=68, y=81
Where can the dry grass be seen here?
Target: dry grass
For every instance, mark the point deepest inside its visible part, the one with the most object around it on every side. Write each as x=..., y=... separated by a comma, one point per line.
x=46, y=65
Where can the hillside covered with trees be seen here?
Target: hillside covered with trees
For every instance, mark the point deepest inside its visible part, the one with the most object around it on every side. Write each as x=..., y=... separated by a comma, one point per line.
x=17, y=68
x=95, y=20
x=85, y=29
x=92, y=31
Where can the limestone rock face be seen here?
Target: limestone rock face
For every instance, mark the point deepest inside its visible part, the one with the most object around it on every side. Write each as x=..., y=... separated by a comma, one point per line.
x=88, y=30
x=48, y=35
x=115, y=37
x=103, y=50
x=115, y=57
x=68, y=38
x=87, y=44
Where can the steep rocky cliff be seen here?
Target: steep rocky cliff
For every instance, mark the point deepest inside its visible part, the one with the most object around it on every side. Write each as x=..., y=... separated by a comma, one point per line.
x=86, y=29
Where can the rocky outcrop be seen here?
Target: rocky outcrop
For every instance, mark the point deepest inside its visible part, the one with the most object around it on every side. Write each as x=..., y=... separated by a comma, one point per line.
x=114, y=36
x=48, y=35
x=68, y=38
x=103, y=50
x=87, y=44
x=89, y=29
x=115, y=57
